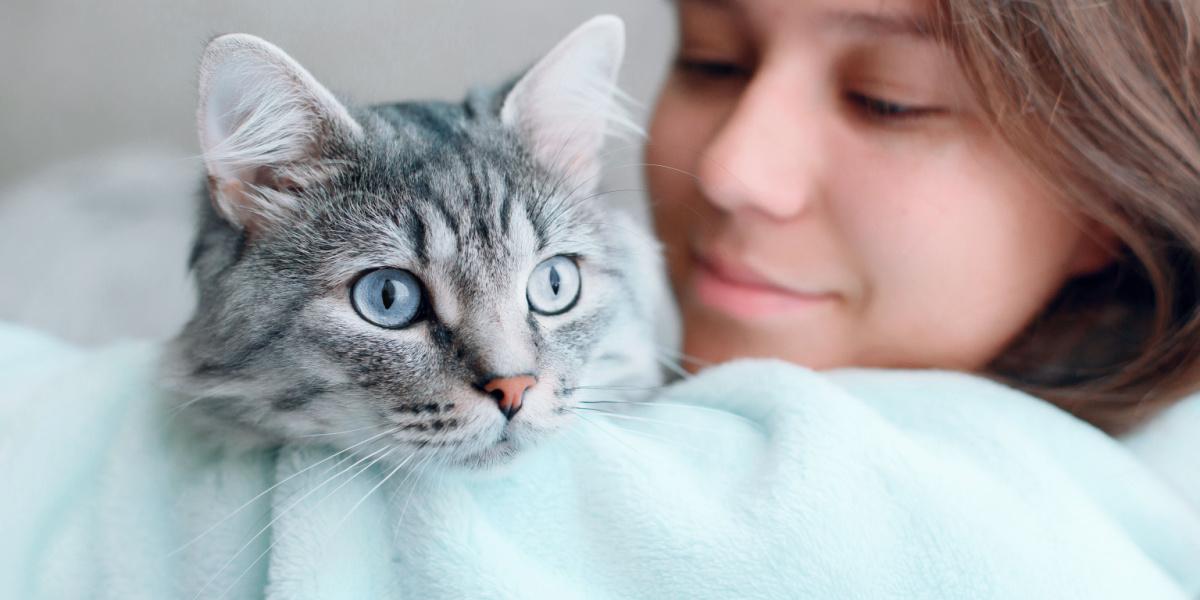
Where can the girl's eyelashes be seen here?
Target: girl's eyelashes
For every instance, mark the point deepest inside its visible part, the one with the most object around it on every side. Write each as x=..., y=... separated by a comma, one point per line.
x=885, y=110
x=714, y=69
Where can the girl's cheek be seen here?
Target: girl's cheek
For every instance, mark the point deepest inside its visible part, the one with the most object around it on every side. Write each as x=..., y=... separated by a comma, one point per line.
x=682, y=127
x=676, y=139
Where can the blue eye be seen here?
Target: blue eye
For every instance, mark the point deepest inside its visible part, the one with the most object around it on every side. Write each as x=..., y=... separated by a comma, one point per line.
x=388, y=298
x=554, y=286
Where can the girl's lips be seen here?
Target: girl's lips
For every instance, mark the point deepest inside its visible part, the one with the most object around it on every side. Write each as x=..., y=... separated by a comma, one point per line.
x=742, y=293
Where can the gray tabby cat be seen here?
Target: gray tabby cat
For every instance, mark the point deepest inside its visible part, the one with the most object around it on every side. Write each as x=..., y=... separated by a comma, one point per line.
x=431, y=278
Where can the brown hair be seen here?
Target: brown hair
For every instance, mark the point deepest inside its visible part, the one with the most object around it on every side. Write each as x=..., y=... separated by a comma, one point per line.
x=1103, y=98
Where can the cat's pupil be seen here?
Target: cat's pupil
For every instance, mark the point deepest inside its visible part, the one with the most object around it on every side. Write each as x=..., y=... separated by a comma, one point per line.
x=555, y=280
x=389, y=293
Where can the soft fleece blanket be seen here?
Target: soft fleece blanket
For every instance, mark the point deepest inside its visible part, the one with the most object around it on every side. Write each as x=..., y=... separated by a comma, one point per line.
x=752, y=480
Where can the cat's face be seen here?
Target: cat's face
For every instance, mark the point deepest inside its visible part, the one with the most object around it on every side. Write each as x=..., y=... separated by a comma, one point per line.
x=424, y=280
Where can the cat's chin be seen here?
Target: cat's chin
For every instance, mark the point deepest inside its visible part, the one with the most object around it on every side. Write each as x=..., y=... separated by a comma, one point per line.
x=497, y=457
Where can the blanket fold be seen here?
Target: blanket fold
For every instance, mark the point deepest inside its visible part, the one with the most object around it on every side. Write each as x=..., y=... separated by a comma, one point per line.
x=755, y=479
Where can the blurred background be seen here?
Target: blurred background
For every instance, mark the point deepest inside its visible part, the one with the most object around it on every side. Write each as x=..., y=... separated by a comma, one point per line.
x=98, y=161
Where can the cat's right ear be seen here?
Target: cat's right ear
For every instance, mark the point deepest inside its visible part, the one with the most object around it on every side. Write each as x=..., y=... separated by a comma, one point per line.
x=565, y=105
x=267, y=129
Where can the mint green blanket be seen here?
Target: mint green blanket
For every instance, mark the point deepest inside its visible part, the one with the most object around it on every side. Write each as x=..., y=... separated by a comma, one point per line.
x=752, y=480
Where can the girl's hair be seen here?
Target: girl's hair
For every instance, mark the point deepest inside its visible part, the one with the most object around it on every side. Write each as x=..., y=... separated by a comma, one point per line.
x=1102, y=97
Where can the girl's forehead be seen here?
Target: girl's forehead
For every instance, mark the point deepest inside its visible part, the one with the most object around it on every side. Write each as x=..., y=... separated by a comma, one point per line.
x=865, y=17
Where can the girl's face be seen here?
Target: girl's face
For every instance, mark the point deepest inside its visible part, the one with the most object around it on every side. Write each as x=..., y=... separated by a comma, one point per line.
x=850, y=205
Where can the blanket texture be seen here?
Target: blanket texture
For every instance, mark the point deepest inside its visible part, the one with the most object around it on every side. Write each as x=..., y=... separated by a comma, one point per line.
x=751, y=480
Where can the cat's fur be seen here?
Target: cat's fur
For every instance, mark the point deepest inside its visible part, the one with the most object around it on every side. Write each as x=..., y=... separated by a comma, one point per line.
x=305, y=194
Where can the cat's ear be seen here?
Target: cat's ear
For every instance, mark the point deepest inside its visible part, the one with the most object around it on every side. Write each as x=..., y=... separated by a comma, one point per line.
x=267, y=128
x=563, y=107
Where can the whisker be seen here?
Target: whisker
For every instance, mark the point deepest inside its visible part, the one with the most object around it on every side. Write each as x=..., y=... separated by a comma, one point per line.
x=319, y=502
x=179, y=408
x=615, y=388
x=673, y=367
x=682, y=357
x=228, y=562
x=616, y=415
x=281, y=482
x=605, y=431
x=372, y=490
x=441, y=477
x=416, y=481
x=679, y=405
x=313, y=435
x=634, y=432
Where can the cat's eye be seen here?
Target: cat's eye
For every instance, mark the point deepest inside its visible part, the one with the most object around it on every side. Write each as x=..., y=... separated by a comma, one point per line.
x=388, y=298
x=554, y=286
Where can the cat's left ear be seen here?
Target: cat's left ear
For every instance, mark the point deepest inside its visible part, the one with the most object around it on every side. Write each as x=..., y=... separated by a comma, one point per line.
x=563, y=107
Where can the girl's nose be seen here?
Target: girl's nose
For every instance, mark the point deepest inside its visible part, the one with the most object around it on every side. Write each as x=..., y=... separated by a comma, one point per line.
x=509, y=392
x=767, y=157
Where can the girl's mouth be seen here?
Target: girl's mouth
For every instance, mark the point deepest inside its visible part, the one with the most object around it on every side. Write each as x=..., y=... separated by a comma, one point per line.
x=736, y=289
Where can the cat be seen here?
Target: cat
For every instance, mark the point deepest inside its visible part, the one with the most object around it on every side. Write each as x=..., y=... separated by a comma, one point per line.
x=433, y=278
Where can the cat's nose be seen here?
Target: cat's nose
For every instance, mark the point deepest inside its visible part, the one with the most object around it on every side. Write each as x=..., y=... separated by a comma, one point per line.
x=509, y=392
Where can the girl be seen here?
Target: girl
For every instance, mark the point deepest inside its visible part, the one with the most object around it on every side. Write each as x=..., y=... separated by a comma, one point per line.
x=1005, y=188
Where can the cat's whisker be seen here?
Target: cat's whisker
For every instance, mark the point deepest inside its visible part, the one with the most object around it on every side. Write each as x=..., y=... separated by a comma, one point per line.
x=689, y=174
x=683, y=357
x=266, y=527
x=603, y=193
x=663, y=422
x=416, y=482
x=678, y=405
x=701, y=220
x=407, y=476
x=182, y=406
x=674, y=442
x=576, y=436
x=441, y=471
x=286, y=510
x=313, y=435
x=639, y=433
x=239, y=509
x=615, y=388
x=391, y=499
x=382, y=481
x=600, y=427
x=673, y=367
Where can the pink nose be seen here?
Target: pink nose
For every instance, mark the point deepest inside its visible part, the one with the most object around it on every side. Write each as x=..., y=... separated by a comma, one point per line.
x=509, y=392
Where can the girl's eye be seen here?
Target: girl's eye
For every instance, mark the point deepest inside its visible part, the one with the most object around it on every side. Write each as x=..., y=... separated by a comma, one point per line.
x=878, y=108
x=554, y=286
x=388, y=298
x=711, y=69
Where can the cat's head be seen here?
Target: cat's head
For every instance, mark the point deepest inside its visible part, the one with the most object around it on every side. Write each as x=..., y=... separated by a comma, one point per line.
x=424, y=279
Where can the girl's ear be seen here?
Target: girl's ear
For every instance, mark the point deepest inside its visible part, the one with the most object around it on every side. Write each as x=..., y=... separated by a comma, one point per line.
x=266, y=127
x=563, y=106
x=1098, y=248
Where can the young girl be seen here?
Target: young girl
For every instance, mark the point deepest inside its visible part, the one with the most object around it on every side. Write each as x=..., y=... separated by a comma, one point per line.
x=1004, y=188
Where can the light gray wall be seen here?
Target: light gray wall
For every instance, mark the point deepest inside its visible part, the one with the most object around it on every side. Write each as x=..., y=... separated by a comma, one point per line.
x=80, y=77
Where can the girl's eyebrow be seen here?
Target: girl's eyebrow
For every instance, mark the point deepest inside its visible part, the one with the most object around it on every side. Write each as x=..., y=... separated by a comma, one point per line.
x=878, y=24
